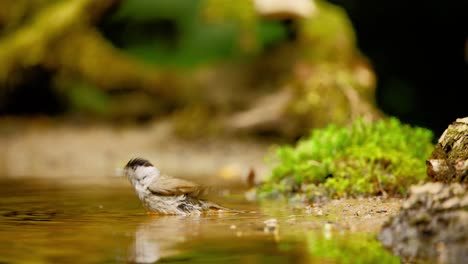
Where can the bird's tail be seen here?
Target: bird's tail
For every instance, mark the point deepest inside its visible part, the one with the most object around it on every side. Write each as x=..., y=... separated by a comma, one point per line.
x=207, y=205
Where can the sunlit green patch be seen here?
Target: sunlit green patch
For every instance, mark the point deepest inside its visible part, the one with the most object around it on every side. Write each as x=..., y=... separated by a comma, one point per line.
x=383, y=157
x=357, y=248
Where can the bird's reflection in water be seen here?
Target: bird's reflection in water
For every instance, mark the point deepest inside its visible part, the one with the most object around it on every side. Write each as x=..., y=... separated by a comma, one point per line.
x=159, y=236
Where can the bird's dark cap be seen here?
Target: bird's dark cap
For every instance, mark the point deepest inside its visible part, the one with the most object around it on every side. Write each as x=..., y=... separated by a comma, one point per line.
x=133, y=163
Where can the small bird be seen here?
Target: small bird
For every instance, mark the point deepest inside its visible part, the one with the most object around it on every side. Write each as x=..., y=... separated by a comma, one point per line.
x=164, y=194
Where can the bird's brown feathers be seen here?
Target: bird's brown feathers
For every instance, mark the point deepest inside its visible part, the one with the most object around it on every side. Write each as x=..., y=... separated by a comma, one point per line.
x=166, y=185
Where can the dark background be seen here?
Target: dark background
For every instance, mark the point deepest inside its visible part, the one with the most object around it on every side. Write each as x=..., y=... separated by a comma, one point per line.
x=418, y=51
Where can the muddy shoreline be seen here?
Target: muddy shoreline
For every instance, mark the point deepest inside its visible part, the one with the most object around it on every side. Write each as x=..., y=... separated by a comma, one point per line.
x=50, y=149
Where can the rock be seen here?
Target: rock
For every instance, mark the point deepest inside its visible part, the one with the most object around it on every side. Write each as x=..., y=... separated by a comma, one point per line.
x=433, y=222
x=451, y=203
x=449, y=160
x=431, y=188
x=432, y=225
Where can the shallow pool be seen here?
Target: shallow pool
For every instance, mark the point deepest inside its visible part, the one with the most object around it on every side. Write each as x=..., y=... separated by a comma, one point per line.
x=42, y=221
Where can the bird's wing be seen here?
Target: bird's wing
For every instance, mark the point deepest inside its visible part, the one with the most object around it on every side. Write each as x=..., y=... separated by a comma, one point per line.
x=172, y=186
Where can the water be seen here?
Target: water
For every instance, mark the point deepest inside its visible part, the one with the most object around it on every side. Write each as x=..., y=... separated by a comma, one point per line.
x=43, y=222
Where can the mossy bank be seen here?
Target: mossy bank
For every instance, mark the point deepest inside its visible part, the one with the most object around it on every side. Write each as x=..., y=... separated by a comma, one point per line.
x=367, y=158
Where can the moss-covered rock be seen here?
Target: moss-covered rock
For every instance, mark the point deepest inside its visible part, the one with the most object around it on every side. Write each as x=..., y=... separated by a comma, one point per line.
x=366, y=159
x=324, y=78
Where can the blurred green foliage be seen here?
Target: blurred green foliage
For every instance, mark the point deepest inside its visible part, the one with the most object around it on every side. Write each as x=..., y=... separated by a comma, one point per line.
x=84, y=98
x=366, y=159
x=186, y=33
x=220, y=56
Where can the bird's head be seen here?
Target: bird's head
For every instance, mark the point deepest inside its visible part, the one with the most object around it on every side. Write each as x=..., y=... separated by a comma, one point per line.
x=140, y=170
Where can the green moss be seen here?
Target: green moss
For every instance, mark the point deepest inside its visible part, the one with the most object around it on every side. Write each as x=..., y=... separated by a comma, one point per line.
x=365, y=159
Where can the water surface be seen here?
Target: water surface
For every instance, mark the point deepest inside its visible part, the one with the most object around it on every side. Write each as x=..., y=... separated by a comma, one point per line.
x=49, y=222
